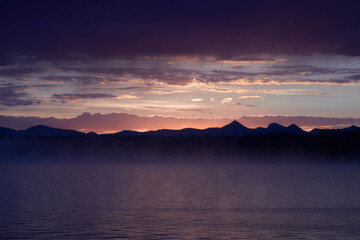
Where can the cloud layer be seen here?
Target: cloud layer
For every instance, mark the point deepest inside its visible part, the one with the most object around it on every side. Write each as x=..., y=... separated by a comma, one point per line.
x=66, y=29
x=12, y=95
x=194, y=59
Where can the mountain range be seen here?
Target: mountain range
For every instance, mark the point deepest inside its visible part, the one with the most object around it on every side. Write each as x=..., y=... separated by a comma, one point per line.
x=233, y=129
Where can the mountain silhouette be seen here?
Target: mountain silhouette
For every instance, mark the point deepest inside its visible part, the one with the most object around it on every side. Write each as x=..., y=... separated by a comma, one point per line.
x=7, y=132
x=232, y=129
x=352, y=128
x=45, y=131
x=234, y=125
x=293, y=128
x=91, y=134
x=275, y=127
x=233, y=140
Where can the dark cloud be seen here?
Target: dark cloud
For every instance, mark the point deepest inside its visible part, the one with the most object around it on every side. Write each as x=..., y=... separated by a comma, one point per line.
x=134, y=88
x=12, y=95
x=246, y=59
x=86, y=80
x=76, y=97
x=172, y=76
x=293, y=74
x=307, y=70
x=46, y=86
x=65, y=73
x=118, y=75
x=19, y=71
x=64, y=29
x=128, y=88
x=5, y=61
x=354, y=78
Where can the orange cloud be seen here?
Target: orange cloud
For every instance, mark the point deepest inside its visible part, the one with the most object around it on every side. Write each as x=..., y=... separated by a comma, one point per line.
x=226, y=100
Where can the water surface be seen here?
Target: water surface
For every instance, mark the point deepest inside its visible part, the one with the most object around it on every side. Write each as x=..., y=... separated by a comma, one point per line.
x=179, y=201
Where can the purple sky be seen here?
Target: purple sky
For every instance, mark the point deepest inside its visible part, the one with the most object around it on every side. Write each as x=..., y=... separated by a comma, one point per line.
x=181, y=59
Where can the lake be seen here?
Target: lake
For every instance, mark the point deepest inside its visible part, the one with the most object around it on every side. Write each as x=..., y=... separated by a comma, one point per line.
x=179, y=201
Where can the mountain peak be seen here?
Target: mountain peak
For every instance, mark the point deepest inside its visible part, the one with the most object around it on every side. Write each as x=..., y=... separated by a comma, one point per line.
x=234, y=124
x=7, y=131
x=46, y=131
x=293, y=126
x=275, y=126
x=234, y=129
x=38, y=127
x=352, y=128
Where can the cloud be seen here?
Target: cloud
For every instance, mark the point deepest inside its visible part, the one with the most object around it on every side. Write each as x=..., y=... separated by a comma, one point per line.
x=212, y=88
x=249, y=96
x=127, y=96
x=304, y=70
x=226, y=100
x=66, y=30
x=13, y=95
x=250, y=60
x=353, y=78
x=19, y=71
x=71, y=97
x=294, y=75
x=197, y=99
x=154, y=75
x=128, y=88
x=97, y=75
x=184, y=77
x=160, y=92
x=193, y=109
x=85, y=80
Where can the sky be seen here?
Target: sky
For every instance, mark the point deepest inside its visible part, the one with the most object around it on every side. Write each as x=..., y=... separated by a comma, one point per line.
x=193, y=61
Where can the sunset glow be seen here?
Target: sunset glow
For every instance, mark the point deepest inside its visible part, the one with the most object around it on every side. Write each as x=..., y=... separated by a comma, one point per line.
x=164, y=76
x=179, y=119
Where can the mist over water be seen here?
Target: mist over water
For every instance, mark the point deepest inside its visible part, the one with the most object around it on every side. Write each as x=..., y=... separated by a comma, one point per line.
x=179, y=201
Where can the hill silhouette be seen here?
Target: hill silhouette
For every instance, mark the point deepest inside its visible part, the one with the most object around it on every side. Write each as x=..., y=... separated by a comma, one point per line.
x=232, y=129
x=40, y=131
x=232, y=141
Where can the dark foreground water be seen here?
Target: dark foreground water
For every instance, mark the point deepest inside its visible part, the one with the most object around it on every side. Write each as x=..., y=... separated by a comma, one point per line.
x=179, y=201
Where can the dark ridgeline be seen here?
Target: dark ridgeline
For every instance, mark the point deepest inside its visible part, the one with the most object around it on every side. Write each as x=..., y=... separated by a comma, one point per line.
x=233, y=141
x=232, y=130
x=39, y=131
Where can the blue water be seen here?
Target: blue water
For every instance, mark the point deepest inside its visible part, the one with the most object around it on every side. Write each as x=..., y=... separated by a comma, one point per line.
x=179, y=201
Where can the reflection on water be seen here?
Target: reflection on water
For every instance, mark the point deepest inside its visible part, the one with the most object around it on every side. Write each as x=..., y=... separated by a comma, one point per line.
x=179, y=201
